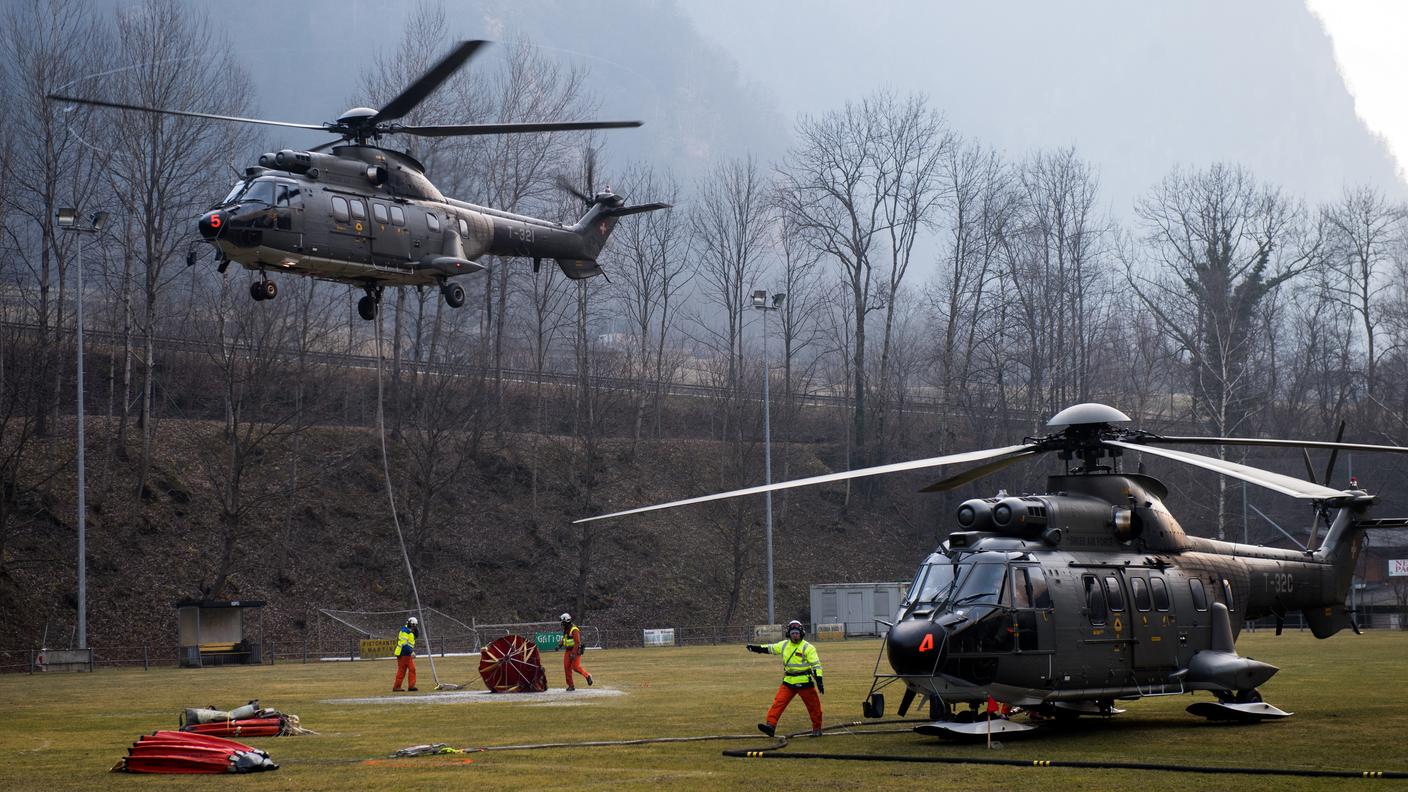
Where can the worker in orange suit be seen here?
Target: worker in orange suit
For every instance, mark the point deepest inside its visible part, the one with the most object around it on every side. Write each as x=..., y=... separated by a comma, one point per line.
x=406, y=655
x=573, y=648
x=801, y=676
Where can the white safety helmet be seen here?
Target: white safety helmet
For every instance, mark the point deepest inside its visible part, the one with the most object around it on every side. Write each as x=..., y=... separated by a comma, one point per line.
x=413, y=621
x=796, y=625
x=567, y=617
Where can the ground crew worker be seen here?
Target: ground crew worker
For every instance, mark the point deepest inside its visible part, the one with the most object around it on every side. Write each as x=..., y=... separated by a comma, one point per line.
x=406, y=655
x=573, y=648
x=801, y=676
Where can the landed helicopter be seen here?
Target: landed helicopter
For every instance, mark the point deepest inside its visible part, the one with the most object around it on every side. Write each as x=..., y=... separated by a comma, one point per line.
x=1066, y=602
x=368, y=216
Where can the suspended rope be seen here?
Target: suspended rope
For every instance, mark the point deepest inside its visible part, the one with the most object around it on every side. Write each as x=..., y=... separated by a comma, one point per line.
x=395, y=518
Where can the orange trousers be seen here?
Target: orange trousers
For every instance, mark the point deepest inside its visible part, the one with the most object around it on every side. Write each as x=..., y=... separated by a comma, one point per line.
x=405, y=667
x=784, y=697
x=572, y=661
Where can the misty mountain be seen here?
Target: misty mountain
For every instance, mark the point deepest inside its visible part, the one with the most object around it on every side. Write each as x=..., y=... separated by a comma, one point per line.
x=1136, y=88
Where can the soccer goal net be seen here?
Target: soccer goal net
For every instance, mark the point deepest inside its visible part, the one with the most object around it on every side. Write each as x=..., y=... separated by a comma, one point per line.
x=447, y=634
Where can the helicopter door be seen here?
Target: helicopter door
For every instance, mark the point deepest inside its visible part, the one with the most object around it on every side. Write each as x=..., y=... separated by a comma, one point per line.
x=391, y=241
x=286, y=230
x=1152, y=613
x=1031, y=609
x=351, y=231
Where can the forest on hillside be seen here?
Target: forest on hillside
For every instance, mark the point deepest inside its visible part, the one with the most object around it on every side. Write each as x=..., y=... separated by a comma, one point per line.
x=940, y=295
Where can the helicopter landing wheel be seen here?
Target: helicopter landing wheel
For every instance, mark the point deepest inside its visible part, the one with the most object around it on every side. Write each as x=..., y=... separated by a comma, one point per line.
x=271, y=289
x=256, y=290
x=454, y=295
x=366, y=308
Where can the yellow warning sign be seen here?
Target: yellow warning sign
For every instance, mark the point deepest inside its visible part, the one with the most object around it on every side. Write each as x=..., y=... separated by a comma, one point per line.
x=1119, y=625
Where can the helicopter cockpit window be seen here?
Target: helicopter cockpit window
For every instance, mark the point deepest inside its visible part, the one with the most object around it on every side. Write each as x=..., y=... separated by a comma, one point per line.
x=982, y=585
x=1112, y=584
x=1160, y=591
x=235, y=192
x=1140, y=591
x=1200, y=597
x=379, y=212
x=1029, y=588
x=1095, y=599
x=931, y=583
x=259, y=192
x=398, y=217
x=432, y=222
x=340, y=211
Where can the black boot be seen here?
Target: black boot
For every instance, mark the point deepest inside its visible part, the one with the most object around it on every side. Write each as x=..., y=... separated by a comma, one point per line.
x=768, y=729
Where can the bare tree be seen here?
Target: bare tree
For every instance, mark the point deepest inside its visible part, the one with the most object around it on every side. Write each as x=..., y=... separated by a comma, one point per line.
x=161, y=169
x=1217, y=245
x=912, y=143
x=48, y=46
x=832, y=188
x=1363, y=227
x=653, y=271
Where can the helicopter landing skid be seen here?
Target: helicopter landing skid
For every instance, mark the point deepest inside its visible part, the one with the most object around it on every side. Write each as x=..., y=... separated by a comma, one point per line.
x=1251, y=712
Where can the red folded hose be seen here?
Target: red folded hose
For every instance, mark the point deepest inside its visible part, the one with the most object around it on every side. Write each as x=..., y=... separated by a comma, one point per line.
x=186, y=753
x=248, y=727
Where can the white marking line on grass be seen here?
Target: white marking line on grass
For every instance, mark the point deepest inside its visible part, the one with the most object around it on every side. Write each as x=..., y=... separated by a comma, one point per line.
x=547, y=697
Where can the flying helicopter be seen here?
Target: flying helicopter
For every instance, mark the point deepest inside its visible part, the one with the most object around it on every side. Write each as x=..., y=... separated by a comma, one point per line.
x=368, y=216
x=1067, y=602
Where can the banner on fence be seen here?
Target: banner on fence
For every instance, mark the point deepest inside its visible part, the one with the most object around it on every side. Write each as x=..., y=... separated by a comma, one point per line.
x=835, y=631
x=1398, y=567
x=665, y=637
x=377, y=647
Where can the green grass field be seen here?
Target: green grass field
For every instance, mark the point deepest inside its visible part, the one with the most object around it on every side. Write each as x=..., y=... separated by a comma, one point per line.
x=64, y=731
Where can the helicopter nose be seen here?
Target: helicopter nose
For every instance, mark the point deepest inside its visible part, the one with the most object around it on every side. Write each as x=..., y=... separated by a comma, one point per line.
x=914, y=647
x=212, y=224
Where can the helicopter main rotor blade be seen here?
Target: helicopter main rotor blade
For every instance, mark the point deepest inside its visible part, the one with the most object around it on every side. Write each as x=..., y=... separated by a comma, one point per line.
x=1286, y=485
x=918, y=464
x=416, y=92
x=186, y=113
x=1256, y=441
x=973, y=474
x=454, y=130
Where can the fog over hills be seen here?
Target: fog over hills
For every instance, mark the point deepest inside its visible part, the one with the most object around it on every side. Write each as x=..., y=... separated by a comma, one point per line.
x=1137, y=88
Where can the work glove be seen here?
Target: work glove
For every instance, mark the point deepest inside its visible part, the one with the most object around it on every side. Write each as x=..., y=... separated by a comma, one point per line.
x=581, y=650
x=757, y=648
x=820, y=686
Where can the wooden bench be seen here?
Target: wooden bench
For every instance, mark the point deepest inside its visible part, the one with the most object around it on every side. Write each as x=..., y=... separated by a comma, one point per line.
x=215, y=648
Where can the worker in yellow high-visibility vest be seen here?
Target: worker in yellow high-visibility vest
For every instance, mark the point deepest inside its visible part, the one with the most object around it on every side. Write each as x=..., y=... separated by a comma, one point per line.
x=801, y=676
x=572, y=648
x=406, y=655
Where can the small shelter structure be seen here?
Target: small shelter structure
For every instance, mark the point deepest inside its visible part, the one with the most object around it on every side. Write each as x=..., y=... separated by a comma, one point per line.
x=213, y=632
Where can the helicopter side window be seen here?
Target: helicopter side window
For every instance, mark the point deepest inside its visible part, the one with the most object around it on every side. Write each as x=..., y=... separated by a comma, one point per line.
x=1160, y=592
x=1112, y=584
x=1095, y=599
x=379, y=212
x=1200, y=597
x=339, y=209
x=1140, y=593
x=432, y=222
x=1227, y=593
x=464, y=228
x=359, y=211
x=287, y=196
x=398, y=217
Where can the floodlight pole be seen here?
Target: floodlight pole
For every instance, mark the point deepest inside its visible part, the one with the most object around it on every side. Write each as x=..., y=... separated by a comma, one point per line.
x=762, y=303
x=68, y=221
